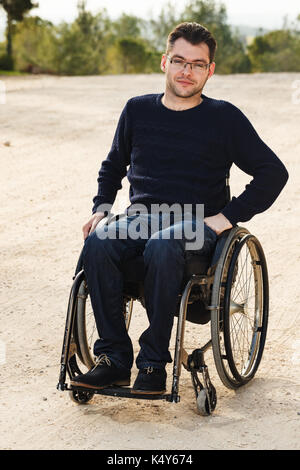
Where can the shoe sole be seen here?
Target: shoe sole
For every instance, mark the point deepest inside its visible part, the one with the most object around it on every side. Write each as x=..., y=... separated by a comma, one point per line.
x=148, y=392
x=95, y=387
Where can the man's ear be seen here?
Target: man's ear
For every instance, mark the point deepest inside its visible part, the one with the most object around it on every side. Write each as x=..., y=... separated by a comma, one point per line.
x=163, y=62
x=212, y=69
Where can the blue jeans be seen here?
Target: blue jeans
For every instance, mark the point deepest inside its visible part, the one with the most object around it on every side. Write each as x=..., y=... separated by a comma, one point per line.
x=164, y=267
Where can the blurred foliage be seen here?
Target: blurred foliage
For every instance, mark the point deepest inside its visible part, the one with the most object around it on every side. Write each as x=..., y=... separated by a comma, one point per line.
x=6, y=62
x=130, y=55
x=95, y=44
x=35, y=46
x=160, y=27
x=15, y=11
x=81, y=46
x=277, y=51
x=127, y=25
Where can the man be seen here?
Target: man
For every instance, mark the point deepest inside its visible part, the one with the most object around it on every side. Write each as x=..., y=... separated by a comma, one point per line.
x=179, y=146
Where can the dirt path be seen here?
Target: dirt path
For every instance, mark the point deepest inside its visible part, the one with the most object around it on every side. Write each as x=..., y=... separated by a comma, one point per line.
x=54, y=134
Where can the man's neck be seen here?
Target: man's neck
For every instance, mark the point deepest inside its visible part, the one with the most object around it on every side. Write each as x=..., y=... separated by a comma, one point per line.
x=180, y=104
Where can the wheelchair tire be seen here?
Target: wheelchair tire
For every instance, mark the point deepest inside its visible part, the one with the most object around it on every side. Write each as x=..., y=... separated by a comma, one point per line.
x=84, y=327
x=81, y=397
x=85, y=330
x=240, y=304
x=206, y=404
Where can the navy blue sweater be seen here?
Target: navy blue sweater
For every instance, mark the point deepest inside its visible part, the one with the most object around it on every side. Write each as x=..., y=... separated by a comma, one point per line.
x=184, y=156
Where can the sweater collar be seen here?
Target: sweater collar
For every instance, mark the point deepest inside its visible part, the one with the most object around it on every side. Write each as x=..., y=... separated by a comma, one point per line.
x=189, y=110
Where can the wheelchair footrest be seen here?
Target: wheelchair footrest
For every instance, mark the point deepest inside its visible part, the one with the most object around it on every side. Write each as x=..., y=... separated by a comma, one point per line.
x=124, y=392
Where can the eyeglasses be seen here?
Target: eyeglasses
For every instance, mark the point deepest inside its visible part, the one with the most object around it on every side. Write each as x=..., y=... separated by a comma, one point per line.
x=179, y=64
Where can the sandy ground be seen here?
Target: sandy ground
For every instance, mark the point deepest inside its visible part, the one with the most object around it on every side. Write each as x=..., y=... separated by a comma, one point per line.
x=54, y=134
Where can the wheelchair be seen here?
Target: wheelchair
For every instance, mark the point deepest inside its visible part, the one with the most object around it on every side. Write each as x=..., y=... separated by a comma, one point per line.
x=230, y=290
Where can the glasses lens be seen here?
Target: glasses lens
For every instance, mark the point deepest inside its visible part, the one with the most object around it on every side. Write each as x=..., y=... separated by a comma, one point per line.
x=179, y=64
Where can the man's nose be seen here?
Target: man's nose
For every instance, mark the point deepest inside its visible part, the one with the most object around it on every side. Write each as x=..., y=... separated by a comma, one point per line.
x=187, y=69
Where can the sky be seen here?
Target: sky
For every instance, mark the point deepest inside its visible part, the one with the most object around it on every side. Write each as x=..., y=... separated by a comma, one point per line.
x=267, y=14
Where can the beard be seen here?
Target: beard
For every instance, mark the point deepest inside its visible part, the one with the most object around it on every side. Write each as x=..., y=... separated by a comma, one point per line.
x=175, y=88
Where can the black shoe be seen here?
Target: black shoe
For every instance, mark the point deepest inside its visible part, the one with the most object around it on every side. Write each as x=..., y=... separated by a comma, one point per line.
x=150, y=381
x=104, y=374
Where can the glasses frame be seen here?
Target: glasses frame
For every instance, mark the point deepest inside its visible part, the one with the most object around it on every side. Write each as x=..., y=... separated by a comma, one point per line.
x=192, y=64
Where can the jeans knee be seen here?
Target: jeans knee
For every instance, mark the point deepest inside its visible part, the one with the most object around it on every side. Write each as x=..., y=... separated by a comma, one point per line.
x=89, y=245
x=97, y=249
x=93, y=245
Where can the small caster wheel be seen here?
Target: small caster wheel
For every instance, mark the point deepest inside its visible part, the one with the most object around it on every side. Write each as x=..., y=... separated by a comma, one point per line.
x=206, y=405
x=80, y=396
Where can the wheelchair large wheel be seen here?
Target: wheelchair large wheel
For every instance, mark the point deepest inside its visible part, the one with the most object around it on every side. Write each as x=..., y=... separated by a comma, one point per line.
x=240, y=302
x=85, y=330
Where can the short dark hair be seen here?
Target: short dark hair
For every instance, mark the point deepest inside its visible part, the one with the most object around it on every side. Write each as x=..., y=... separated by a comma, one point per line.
x=194, y=33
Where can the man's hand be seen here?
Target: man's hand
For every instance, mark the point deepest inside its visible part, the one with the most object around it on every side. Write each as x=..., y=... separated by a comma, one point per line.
x=90, y=226
x=218, y=223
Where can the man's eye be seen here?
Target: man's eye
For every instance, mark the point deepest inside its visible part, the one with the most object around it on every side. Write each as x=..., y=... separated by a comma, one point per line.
x=177, y=61
x=199, y=66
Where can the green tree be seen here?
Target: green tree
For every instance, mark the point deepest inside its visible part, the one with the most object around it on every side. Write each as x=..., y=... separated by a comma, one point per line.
x=158, y=29
x=277, y=51
x=130, y=50
x=35, y=46
x=15, y=10
x=127, y=26
x=131, y=55
x=81, y=46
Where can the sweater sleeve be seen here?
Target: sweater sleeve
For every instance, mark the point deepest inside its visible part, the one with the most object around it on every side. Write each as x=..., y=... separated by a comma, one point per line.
x=247, y=150
x=113, y=169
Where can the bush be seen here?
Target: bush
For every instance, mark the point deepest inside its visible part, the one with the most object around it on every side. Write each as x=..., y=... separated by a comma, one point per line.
x=80, y=47
x=6, y=62
x=34, y=46
x=277, y=51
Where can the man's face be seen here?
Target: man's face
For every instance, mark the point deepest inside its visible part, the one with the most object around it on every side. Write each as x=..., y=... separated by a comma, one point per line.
x=185, y=82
